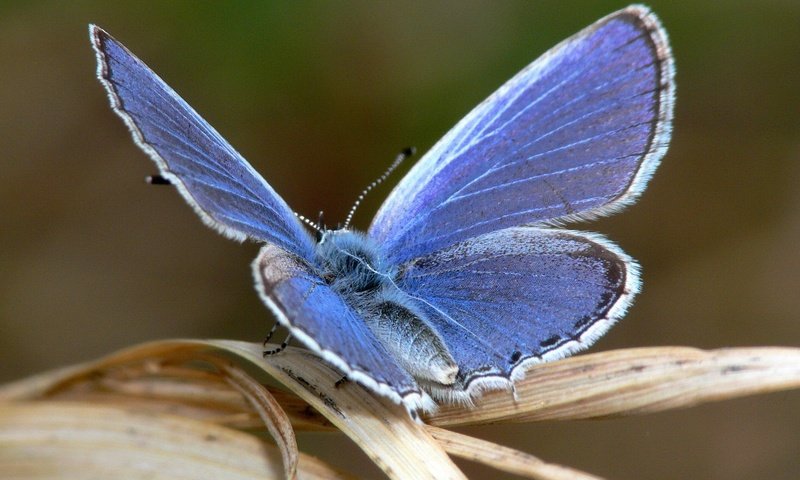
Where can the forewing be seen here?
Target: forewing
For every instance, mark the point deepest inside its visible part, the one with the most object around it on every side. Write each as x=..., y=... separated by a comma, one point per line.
x=227, y=193
x=575, y=135
x=518, y=296
x=320, y=319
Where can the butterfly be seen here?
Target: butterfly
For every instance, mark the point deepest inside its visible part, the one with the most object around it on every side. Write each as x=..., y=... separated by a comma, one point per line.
x=465, y=277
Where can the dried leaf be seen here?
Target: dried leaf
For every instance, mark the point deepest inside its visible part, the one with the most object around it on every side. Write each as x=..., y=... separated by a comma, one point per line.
x=385, y=431
x=631, y=382
x=162, y=377
x=82, y=441
x=270, y=412
x=504, y=458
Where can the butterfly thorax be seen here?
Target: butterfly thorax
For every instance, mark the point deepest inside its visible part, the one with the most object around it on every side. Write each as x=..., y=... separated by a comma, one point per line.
x=351, y=263
x=354, y=267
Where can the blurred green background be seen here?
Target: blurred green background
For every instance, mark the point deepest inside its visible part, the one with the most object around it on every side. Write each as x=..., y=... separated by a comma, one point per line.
x=320, y=97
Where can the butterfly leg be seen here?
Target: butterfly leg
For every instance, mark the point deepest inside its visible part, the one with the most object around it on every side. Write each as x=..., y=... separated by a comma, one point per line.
x=340, y=382
x=281, y=347
x=270, y=334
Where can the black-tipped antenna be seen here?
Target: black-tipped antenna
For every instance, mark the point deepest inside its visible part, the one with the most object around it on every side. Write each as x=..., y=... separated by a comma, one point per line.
x=407, y=152
x=157, y=180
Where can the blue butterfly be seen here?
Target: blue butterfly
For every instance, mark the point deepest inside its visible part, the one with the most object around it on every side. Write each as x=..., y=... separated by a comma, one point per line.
x=462, y=280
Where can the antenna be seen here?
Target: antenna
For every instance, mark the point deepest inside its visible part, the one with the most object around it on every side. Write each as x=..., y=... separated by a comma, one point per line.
x=157, y=180
x=321, y=228
x=407, y=152
x=321, y=221
x=317, y=228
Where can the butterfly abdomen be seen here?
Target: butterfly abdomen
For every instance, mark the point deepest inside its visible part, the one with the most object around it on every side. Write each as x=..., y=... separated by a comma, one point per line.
x=419, y=349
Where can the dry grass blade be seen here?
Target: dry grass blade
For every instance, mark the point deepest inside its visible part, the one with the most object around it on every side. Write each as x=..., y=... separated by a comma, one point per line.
x=504, y=458
x=270, y=412
x=387, y=434
x=155, y=382
x=37, y=386
x=178, y=391
x=397, y=444
x=43, y=440
x=633, y=381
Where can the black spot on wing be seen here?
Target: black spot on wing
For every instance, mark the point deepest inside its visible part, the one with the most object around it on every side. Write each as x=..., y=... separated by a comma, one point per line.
x=550, y=341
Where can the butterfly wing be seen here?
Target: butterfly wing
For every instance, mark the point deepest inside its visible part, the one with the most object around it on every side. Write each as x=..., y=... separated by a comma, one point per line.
x=227, y=193
x=517, y=296
x=320, y=319
x=575, y=135
x=232, y=197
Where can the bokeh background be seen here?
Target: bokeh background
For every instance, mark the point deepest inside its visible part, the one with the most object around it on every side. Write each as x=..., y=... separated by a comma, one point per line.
x=320, y=97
